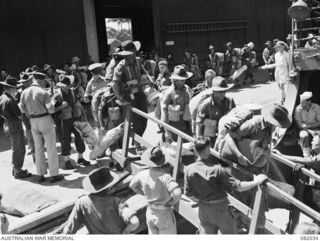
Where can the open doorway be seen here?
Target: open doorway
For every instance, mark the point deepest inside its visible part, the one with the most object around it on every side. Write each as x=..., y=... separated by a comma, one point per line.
x=119, y=20
x=118, y=30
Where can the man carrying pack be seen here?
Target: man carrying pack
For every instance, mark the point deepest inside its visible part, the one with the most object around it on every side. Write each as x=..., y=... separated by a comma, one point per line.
x=94, y=85
x=66, y=113
x=36, y=104
x=256, y=129
x=212, y=109
x=110, y=113
x=10, y=111
x=249, y=57
x=127, y=85
x=175, y=103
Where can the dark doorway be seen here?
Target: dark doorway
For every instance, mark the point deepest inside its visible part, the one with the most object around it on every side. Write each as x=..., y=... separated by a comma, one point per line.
x=138, y=11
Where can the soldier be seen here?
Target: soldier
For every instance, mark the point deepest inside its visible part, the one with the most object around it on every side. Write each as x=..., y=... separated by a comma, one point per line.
x=66, y=113
x=100, y=211
x=209, y=75
x=307, y=118
x=229, y=62
x=127, y=85
x=161, y=190
x=212, y=58
x=53, y=76
x=113, y=63
x=95, y=84
x=36, y=104
x=163, y=82
x=207, y=183
x=175, y=103
x=75, y=70
x=25, y=82
x=267, y=56
x=10, y=111
x=212, y=109
x=249, y=58
x=110, y=113
x=190, y=61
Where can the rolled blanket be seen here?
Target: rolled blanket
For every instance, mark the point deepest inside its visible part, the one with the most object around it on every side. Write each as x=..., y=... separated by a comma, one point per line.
x=86, y=132
x=187, y=149
x=111, y=137
x=239, y=72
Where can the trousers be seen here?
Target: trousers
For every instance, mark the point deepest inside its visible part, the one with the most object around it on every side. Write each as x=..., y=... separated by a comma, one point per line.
x=44, y=135
x=161, y=221
x=139, y=122
x=27, y=125
x=214, y=217
x=17, y=144
x=64, y=130
x=181, y=125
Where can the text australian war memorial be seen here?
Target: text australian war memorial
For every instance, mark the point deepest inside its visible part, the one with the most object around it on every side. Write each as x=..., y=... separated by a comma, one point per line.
x=159, y=117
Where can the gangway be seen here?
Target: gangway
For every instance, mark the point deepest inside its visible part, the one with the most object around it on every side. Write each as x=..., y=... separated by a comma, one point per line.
x=189, y=209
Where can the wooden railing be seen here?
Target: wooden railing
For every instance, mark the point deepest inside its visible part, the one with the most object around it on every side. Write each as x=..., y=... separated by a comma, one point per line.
x=250, y=214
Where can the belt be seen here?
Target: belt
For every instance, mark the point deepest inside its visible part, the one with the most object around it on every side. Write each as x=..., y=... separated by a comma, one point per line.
x=158, y=207
x=39, y=116
x=213, y=201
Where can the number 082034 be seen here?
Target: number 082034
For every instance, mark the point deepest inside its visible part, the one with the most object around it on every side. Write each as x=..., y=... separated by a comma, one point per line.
x=309, y=237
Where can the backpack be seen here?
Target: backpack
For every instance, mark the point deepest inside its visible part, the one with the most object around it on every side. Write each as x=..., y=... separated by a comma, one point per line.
x=230, y=122
x=234, y=119
x=197, y=100
x=96, y=98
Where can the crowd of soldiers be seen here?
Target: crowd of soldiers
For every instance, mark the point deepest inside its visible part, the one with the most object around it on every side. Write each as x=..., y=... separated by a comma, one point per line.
x=48, y=101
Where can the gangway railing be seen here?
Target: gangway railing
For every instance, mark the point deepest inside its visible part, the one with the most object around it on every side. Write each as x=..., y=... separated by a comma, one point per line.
x=254, y=214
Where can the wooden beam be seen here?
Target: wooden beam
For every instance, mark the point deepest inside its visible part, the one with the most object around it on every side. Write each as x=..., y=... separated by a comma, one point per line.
x=142, y=141
x=35, y=219
x=258, y=211
x=188, y=209
x=247, y=215
x=176, y=167
x=126, y=136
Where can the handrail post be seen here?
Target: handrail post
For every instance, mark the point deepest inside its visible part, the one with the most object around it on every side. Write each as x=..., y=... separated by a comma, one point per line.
x=295, y=215
x=177, y=158
x=126, y=135
x=258, y=216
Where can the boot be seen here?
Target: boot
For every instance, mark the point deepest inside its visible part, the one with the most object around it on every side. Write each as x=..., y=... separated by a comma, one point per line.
x=56, y=178
x=22, y=174
x=69, y=165
x=83, y=162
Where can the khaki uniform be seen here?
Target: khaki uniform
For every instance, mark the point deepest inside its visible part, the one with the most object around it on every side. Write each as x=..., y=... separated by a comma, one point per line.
x=175, y=103
x=33, y=103
x=157, y=185
x=128, y=75
x=163, y=82
x=92, y=88
x=209, y=114
x=10, y=111
x=64, y=121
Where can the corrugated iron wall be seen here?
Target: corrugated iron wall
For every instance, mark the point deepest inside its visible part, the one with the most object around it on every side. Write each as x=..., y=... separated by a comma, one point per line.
x=40, y=31
x=263, y=20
